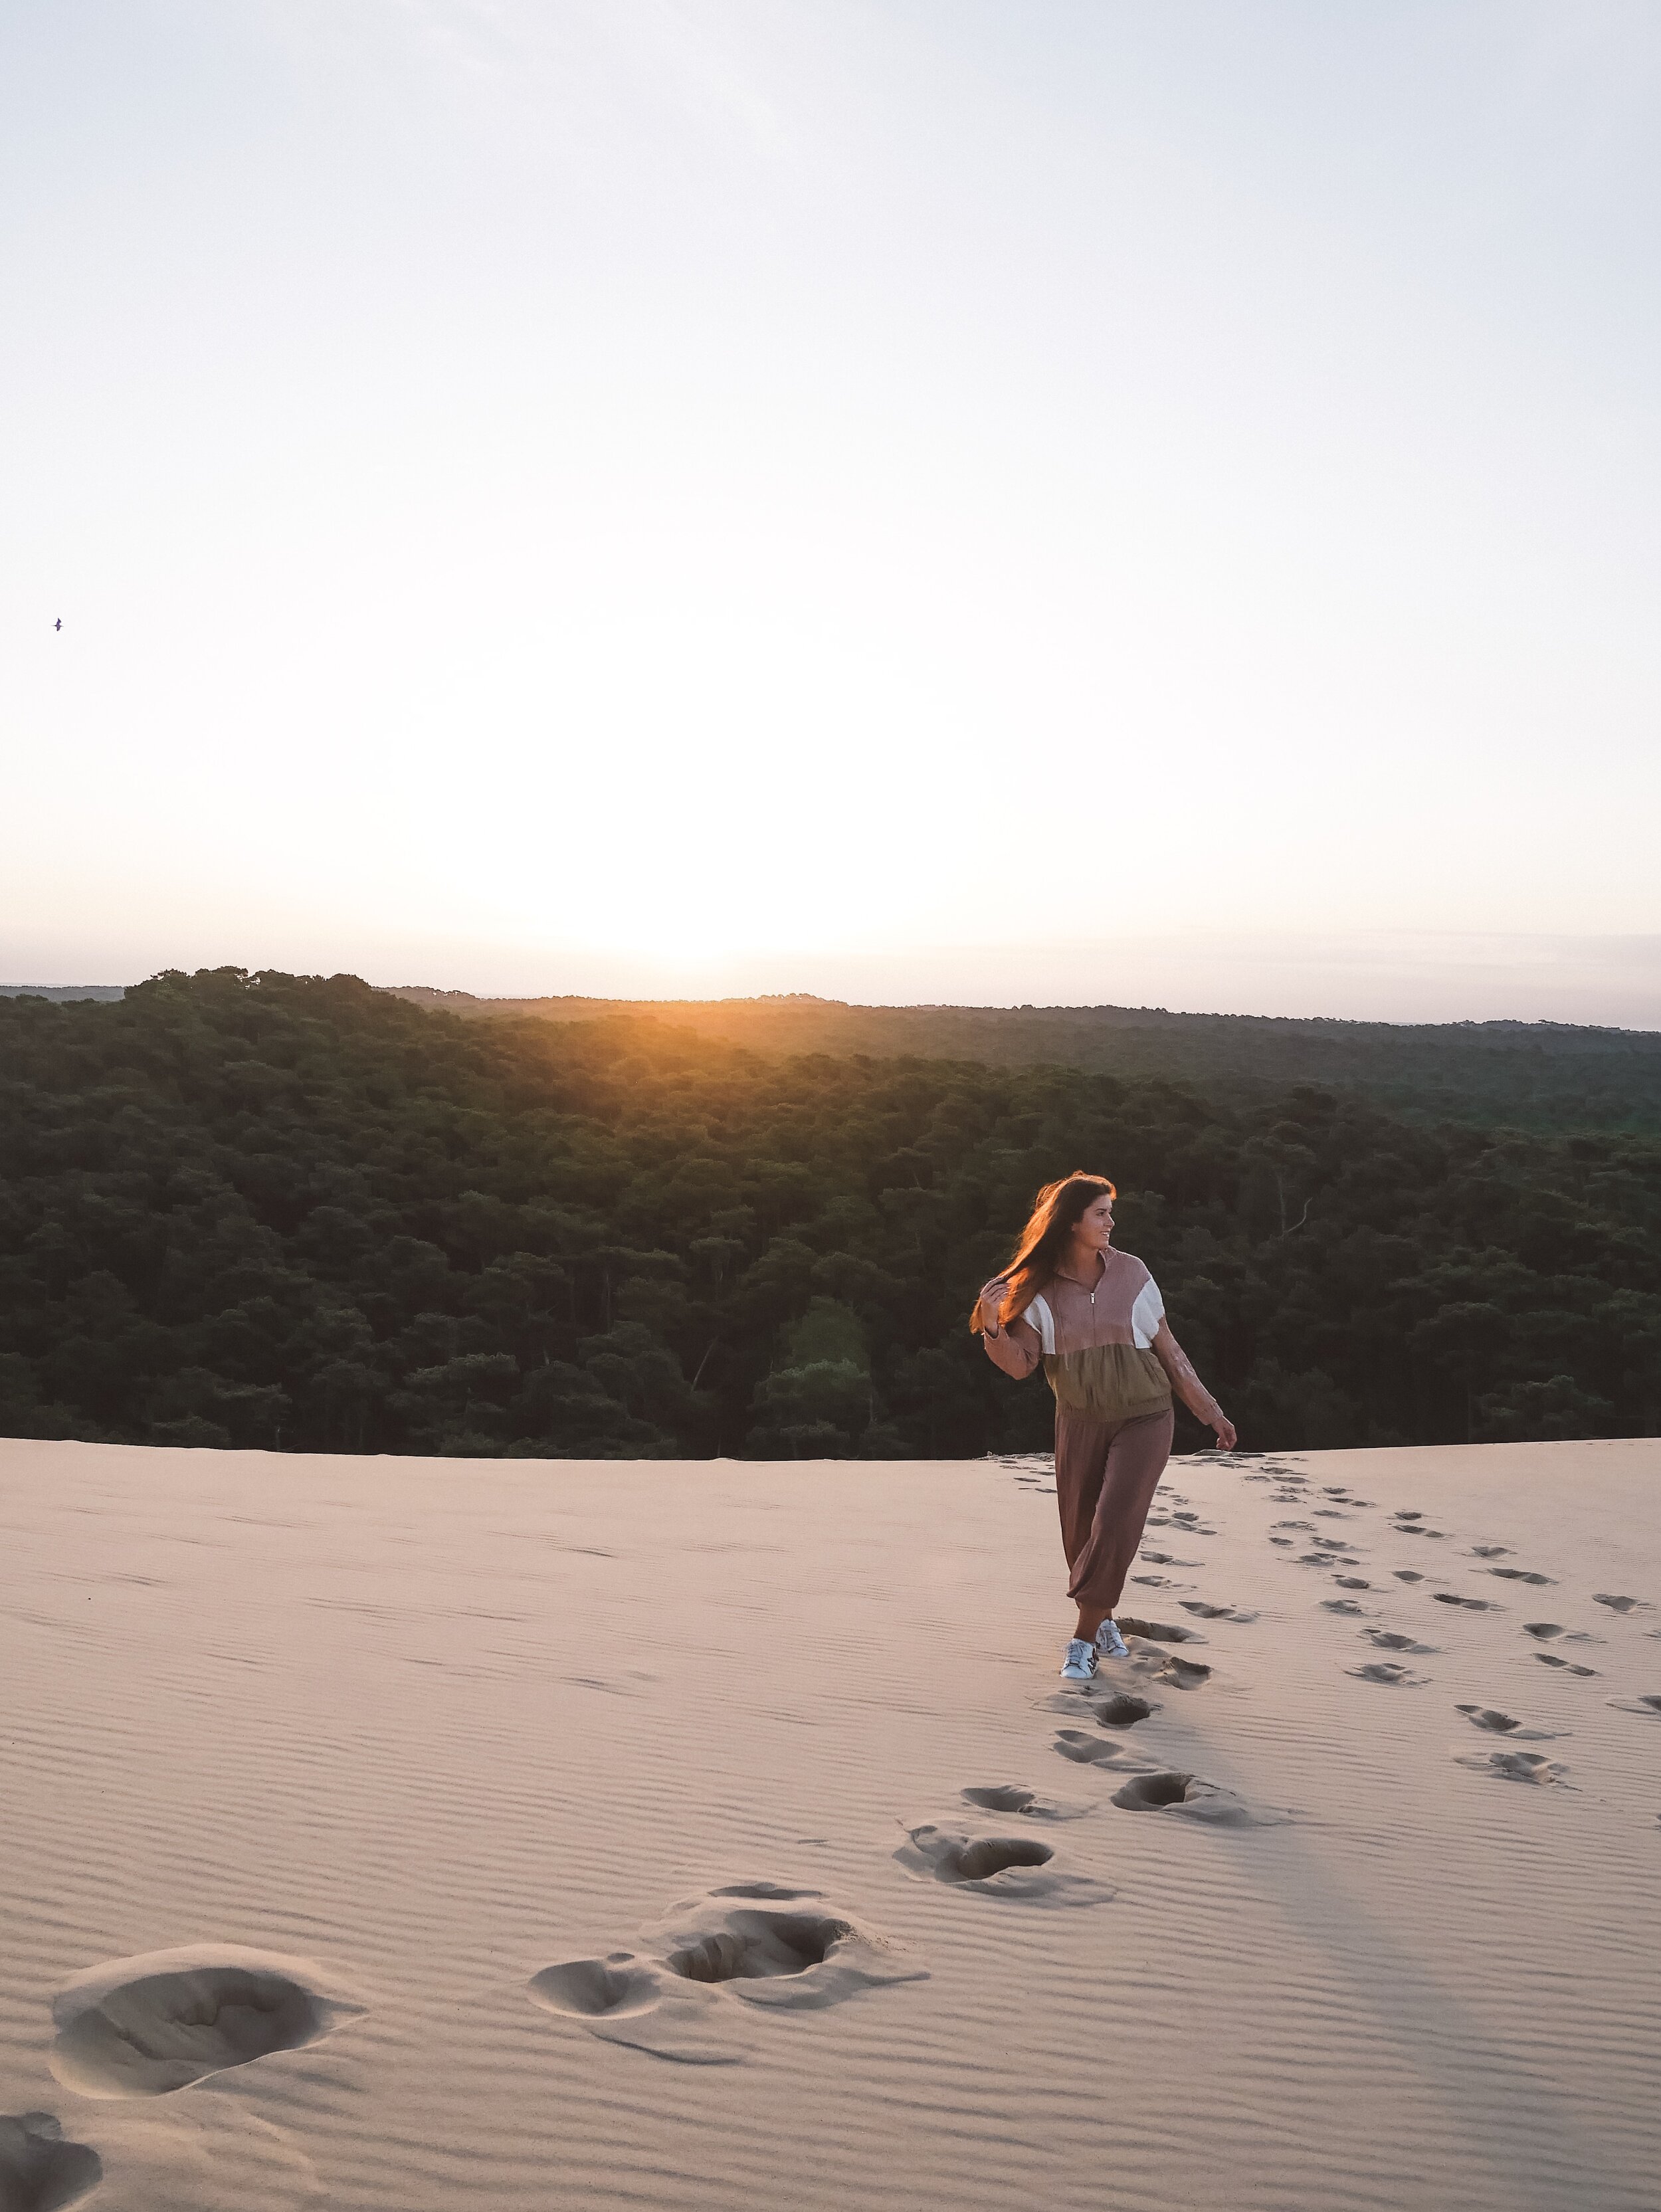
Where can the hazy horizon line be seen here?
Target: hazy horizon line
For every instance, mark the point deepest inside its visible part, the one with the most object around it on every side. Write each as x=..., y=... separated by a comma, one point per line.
x=69, y=992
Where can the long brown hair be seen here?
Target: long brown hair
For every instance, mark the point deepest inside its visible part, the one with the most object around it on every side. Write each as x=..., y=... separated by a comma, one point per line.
x=1055, y=1211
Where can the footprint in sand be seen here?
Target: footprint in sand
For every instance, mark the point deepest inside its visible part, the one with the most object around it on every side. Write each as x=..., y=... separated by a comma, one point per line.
x=1086, y=1750
x=1620, y=1604
x=1121, y=1709
x=39, y=2171
x=1351, y=1581
x=1391, y=1639
x=1193, y=1798
x=1389, y=1674
x=1285, y=1540
x=1555, y=1659
x=1493, y=1722
x=1106, y=1707
x=1407, y=1574
x=1521, y=1575
x=1514, y=1765
x=1648, y=1706
x=611, y=1995
x=1471, y=1604
x=1489, y=1717
x=1203, y=1610
x=763, y=1942
x=1546, y=1631
x=1341, y=1605
x=147, y=2026
x=1018, y=1869
x=1490, y=1550
x=1015, y=1797
x=1158, y=1632
x=1148, y=1661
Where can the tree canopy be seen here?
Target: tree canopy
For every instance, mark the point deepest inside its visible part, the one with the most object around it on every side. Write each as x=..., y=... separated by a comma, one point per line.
x=295, y=1212
x=1525, y=1075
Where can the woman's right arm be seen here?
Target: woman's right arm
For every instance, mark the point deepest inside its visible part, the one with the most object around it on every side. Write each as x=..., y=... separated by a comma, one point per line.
x=1017, y=1348
x=1189, y=1387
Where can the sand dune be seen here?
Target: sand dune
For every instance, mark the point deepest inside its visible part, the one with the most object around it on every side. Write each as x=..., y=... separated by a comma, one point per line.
x=406, y=1834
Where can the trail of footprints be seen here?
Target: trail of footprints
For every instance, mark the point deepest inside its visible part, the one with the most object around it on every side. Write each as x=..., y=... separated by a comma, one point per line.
x=762, y=1944
x=1293, y=1488
x=692, y=1987
x=714, y=1964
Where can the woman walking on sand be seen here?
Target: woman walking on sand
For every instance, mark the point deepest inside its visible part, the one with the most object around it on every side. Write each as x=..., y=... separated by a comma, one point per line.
x=1094, y=1317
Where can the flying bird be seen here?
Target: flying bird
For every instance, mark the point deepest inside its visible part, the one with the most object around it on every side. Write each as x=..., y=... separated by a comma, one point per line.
x=58, y=624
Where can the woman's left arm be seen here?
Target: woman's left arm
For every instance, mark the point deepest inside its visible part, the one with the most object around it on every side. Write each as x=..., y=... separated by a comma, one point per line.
x=1189, y=1387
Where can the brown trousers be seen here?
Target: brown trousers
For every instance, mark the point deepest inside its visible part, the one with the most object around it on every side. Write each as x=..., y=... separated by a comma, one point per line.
x=1107, y=1473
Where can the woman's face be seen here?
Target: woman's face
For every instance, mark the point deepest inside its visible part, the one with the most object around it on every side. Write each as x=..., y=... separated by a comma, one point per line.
x=1095, y=1224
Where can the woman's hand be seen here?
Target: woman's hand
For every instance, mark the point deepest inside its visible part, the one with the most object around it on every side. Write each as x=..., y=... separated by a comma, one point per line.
x=991, y=1299
x=1225, y=1429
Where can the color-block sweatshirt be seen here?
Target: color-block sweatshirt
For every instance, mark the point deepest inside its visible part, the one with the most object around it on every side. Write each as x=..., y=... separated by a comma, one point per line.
x=1096, y=1340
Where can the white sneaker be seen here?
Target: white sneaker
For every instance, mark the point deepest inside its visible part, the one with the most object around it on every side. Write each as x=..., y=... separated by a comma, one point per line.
x=1080, y=1664
x=1110, y=1644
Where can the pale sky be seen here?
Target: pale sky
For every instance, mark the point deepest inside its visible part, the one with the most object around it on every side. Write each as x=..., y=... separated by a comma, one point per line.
x=908, y=499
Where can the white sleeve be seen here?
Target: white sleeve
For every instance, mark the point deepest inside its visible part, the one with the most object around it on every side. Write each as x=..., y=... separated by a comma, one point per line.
x=1146, y=1315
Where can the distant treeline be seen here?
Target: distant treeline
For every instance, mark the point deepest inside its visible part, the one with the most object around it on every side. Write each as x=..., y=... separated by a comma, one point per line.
x=284, y=1211
x=1523, y=1075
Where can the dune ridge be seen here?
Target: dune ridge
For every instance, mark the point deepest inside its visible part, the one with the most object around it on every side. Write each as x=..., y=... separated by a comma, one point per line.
x=418, y=1772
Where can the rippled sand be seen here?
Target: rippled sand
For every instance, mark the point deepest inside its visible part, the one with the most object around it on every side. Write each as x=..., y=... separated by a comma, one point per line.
x=409, y=1833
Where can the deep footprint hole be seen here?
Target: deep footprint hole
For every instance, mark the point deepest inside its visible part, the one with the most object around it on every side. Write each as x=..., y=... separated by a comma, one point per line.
x=990, y=1854
x=1149, y=1793
x=39, y=2171
x=161, y=2032
x=1123, y=1710
x=980, y=1858
x=782, y=1943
